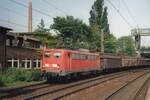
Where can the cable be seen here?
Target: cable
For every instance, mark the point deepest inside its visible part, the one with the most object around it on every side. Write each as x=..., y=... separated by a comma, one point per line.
x=13, y=11
x=55, y=7
x=36, y=10
x=129, y=12
x=118, y=11
x=20, y=25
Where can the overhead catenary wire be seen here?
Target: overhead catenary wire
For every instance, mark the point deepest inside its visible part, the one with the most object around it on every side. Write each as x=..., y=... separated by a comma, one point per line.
x=36, y=10
x=45, y=14
x=17, y=13
x=10, y=23
x=55, y=7
x=129, y=12
x=118, y=11
x=20, y=25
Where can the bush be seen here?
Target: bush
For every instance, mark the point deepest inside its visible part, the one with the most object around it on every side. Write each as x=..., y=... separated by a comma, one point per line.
x=19, y=75
x=36, y=76
x=28, y=75
x=1, y=81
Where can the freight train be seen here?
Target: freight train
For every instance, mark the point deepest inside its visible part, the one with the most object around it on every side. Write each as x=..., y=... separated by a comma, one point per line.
x=64, y=63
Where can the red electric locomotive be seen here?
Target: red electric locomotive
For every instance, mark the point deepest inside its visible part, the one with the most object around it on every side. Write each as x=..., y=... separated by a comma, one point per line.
x=59, y=62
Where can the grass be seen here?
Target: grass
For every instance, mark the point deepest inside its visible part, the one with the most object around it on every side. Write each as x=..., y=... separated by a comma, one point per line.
x=13, y=77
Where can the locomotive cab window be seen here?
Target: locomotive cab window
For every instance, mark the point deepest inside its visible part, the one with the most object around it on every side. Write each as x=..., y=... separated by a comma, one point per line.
x=57, y=55
x=47, y=54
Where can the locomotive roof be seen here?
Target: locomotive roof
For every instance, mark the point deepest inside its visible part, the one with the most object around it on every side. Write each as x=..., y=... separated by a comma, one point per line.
x=73, y=51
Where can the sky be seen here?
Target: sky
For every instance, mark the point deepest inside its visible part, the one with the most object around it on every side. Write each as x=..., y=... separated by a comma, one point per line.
x=136, y=12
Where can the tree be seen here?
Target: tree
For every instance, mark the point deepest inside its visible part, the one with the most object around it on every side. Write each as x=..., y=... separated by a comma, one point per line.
x=98, y=16
x=41, y=27
x=105, y=24
x=99, y=21
x=74, y=33
x=125, y=46
x=43, y=34
x=96, y=13
x=110, y=44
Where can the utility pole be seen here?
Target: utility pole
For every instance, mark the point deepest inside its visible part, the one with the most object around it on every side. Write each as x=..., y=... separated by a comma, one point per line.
x=30, y=16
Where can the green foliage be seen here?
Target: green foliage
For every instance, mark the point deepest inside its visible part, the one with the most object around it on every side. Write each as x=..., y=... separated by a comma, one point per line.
x=1, y=83
x=96, y=13
x=73, y=32
x=47, y=39
x=43, y=34
x=12, y=76
x=110, y=43
x=41, y=27
x=125, y=46
x=99, y=16
x=99, y=22
x=36, y=76
x=105, y=24
x=1, y=80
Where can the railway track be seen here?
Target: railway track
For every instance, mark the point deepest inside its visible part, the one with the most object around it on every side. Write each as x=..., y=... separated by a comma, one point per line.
x=67, y=90
x=142, y=93
x=11, y=92
x=58, y=91
x=29, y=91
x=133, y=90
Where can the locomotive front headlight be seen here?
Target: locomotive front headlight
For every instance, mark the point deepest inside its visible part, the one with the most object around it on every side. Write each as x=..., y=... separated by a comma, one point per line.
x=55, y=65
x=46, y=65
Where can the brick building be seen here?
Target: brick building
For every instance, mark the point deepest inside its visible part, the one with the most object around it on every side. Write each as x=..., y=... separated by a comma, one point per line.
x=3, y=59
x=19, y=51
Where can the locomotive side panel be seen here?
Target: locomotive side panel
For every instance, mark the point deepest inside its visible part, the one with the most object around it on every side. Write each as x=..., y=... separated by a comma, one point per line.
x=81, y=62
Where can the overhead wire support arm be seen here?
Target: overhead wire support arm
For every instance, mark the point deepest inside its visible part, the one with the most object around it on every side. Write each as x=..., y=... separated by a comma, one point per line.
x=141, y=31
x=137, y=33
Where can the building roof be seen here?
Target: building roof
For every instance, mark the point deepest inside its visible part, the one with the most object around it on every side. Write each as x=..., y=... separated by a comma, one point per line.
x=23, y=36
x=146, y=54
x=33, y=33
x=5, y=28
